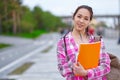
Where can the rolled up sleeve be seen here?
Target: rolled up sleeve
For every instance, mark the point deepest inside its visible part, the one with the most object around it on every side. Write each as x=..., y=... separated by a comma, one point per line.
x=63, y=63
x=104, y=65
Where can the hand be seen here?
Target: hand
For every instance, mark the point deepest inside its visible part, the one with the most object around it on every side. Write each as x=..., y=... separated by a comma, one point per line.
x=79, y=70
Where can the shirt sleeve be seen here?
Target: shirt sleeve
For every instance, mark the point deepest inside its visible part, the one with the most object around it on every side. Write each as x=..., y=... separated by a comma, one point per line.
x=63, y=64
x=104, y=65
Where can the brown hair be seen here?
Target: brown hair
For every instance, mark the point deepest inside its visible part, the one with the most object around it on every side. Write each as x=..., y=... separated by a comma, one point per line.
x=89, y=9
x=85, y=7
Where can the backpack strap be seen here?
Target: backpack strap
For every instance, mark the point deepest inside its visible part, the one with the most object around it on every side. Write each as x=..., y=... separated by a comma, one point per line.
x=65, y=46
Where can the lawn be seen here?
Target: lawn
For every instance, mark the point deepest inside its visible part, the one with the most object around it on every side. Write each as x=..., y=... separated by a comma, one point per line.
x=4, y=45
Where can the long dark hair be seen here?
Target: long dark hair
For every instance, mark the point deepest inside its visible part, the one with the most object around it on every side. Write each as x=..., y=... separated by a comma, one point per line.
x=85, y=7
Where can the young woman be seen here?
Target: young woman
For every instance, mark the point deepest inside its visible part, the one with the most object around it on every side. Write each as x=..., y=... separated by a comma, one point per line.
x=67, y=67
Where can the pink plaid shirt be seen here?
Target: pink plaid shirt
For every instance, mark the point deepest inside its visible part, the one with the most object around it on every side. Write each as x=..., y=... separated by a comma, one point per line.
x=65, y=66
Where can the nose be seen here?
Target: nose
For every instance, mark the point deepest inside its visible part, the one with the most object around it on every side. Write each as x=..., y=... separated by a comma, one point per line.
x=81, y=20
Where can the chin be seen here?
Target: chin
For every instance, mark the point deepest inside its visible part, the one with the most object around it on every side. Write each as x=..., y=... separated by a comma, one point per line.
x=80, y=29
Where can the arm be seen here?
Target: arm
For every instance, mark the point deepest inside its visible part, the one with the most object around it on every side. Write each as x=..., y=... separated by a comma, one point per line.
x=104, y=65
x=63, y=64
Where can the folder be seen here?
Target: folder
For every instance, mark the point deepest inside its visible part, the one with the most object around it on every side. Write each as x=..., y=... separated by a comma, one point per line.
x=89, y=54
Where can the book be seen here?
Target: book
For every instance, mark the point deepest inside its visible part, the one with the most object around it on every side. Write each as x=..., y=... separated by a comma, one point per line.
x=89, y=54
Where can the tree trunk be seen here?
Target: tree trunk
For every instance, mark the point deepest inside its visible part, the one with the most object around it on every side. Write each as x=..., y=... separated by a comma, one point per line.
x=0, y=25
x=14, y=22
x=18, y=22
x=5, y=9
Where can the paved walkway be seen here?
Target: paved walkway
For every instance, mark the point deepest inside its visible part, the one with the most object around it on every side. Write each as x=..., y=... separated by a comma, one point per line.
x=112, y=46
x=16, y=41
x=45, y=67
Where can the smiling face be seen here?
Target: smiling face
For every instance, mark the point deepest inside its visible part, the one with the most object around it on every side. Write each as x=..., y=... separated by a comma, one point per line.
x=81, y=19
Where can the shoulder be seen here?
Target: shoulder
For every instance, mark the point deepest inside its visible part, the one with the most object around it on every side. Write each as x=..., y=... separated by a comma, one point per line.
x=65, y=37
x=94, y=38
x=100, y=38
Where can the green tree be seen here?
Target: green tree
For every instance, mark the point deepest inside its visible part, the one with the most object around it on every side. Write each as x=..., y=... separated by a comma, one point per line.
x=15, y=18
x=38, y=16
x=14, y=9
x=51, y=22
x=8, y=14
x=28, y=22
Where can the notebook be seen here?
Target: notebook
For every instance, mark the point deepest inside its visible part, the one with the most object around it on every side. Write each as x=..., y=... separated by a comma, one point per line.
x=89, y=54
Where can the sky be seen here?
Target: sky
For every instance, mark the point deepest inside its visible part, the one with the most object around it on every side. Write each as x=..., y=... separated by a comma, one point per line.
x=67, y=7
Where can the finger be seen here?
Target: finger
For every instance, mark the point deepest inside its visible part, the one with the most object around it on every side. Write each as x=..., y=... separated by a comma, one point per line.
x=74, y=65
x=74, y=72
x=78, y=63
x=80, y=66
x=73, y=68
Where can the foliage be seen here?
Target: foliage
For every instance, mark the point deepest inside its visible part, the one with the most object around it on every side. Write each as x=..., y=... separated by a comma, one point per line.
x=21, y=69
x=16, y=19
x=37, y=14
x=34, y=34
x=27, y=22
x=4, y=45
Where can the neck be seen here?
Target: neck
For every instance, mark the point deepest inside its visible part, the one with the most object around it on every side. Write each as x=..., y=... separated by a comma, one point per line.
x=79, y=33
x=80, y=36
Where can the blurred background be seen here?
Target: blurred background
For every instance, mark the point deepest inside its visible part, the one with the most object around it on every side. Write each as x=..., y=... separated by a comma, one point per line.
x=30, y=29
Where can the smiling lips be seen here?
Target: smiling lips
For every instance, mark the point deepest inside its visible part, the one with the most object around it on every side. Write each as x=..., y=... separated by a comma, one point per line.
x=80, y=26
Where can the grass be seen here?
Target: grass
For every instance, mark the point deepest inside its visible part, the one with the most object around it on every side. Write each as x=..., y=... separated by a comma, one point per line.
x=21, y=69
x=32, y=35
x=46, y=50
x=4, y=45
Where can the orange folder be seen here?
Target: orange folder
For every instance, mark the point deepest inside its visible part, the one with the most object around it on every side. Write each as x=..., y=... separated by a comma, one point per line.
x=89, y=54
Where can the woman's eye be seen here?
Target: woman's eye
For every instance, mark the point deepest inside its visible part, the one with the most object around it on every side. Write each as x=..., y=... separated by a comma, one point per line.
x=79, y=16
x=86, y=18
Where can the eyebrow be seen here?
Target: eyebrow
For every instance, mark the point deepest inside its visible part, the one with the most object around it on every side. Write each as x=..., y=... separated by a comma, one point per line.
x=84, y=16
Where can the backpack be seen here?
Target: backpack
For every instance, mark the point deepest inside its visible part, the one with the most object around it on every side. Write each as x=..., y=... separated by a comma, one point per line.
x=115, y=65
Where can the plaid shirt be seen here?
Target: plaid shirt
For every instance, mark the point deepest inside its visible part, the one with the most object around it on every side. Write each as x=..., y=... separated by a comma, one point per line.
x=65, y=66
